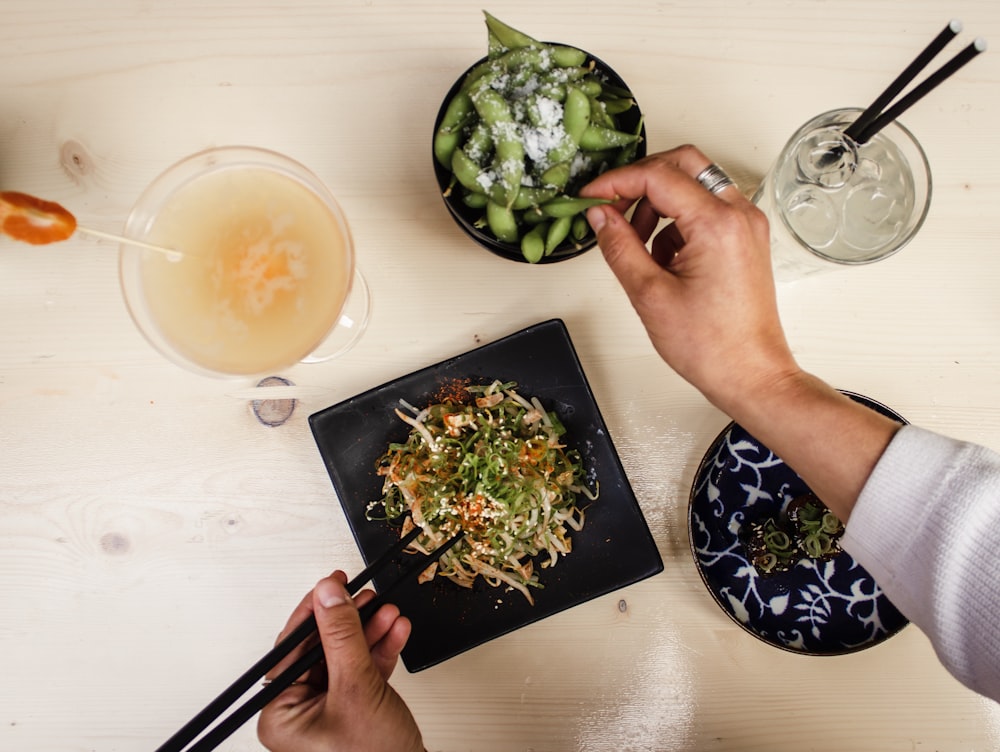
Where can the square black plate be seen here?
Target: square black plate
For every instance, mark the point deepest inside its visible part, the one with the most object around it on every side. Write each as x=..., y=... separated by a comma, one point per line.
x=614, y=549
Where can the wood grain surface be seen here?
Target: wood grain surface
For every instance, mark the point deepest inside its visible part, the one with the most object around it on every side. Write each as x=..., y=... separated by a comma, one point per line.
x=154, y=535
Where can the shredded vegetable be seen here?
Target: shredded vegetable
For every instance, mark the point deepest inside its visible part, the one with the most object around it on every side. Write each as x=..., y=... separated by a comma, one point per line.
x=492, y=463
x=808, y=530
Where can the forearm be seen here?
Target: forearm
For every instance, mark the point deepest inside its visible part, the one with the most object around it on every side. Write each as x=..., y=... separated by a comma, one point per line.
x=830, y=440
x=707, y=299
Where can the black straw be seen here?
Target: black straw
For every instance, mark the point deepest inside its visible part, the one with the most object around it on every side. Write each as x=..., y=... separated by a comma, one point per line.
x=919, y=92
x=920, y=62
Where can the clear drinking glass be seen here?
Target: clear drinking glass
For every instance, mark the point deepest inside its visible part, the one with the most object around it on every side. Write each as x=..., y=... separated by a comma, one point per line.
x=264, y=275
x=832, y=202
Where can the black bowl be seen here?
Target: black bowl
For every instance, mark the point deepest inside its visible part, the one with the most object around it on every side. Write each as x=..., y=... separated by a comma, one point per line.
x=466, y=217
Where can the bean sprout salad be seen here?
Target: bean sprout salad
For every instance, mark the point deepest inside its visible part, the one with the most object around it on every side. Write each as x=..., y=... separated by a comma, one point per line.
x=490, y=462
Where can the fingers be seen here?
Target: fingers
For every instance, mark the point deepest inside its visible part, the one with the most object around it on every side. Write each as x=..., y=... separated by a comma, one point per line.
x=385, y=652
x=666, y=245
x=348, y=658
x=353, y=708
x=316, y=676
x=668, y=182
x=386, y=633
x=624, y=250
x=645, y=219
x=381, y=639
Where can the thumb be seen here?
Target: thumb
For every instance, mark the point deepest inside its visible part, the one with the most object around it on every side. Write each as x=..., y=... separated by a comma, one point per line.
x=348, y=660
x=624, y=250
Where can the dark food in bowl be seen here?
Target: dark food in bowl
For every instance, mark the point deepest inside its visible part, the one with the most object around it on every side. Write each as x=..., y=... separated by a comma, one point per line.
x=806, y=530
x=518, y=136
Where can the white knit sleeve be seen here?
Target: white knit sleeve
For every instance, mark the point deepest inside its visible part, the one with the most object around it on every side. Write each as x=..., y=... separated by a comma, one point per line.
x=927, y=528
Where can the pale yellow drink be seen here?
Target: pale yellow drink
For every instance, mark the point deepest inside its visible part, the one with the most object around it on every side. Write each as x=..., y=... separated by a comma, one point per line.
x=266, y=270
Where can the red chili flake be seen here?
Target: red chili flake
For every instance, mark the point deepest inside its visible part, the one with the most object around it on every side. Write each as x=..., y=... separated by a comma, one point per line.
x=453, y=392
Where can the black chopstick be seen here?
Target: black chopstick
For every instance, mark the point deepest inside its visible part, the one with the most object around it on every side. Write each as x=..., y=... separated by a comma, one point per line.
x=920, y=62
x=918, y=93
x=251, y=676
x=313, y=656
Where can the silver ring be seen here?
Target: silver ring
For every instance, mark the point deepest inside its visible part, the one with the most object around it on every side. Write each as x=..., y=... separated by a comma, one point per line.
x=714, y=178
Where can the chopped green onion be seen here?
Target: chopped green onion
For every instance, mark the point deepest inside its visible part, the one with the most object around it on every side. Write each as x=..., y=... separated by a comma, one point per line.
x=494, y=467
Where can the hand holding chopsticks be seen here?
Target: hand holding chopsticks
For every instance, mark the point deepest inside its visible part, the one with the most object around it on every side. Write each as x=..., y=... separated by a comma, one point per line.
x=303, y=662
x=876, y=117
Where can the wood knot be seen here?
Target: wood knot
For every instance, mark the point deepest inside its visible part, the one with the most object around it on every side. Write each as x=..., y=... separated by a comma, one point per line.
x=273, y=413
x=75, y=161
x=115, y=544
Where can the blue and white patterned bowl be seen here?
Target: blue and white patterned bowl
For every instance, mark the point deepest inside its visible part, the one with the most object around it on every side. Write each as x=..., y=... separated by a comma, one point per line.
x=826, y=607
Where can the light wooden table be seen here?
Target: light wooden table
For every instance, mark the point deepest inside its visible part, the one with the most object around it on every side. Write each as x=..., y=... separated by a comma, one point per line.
x=154, y=535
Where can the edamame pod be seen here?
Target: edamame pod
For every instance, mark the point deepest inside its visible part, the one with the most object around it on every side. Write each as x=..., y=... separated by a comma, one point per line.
x=495, y=112
x=617, y=91
x=557, y=233
x=557, y=176
x=576, y=113
x=467, y=172
x=493, y=45
x=567, y=206
x=564, y=151
x=530, y=198
x=478, y=78
x=596, y=137
x=527, y=197
x=580, y=228
x=567, y=57
x=507, y=36
x=604, y=157
x=628, y=153
x=565, y=75
x=533, y=244
x=479, y=145
x=456, y=115
x=527, y=62
x=501, y=222
x=599, y=114
x=533, y=218
x=591, y=87
x=552, y=91
x=618, y=106
x=445, y=145
x=475, y=200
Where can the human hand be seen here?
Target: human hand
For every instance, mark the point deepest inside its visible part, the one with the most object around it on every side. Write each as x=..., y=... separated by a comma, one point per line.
x=706, y=295
x=346, y=702
x=704, y=291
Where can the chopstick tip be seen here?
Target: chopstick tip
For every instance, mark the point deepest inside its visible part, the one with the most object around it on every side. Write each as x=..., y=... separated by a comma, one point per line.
x=955, y=25
x=980, y=44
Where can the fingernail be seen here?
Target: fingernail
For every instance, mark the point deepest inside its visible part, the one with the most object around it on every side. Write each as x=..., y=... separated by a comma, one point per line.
x=596, y=217
x=330, y=594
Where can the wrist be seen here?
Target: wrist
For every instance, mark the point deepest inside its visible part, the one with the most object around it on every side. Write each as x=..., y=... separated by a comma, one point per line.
x=827, y=438
x=753, y=387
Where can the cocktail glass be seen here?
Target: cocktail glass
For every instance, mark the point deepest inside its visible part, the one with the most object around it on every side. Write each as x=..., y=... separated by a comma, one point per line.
x=263, y=275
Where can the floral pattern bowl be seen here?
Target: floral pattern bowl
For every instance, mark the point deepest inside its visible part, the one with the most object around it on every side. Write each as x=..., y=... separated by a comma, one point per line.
x=819, y=607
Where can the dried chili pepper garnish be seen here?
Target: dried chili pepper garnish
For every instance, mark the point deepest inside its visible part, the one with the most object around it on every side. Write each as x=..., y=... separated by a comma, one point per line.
x=34, y=220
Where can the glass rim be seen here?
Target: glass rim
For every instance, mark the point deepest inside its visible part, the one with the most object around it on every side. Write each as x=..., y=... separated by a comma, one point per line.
x=174, y=178
x=833, y=117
